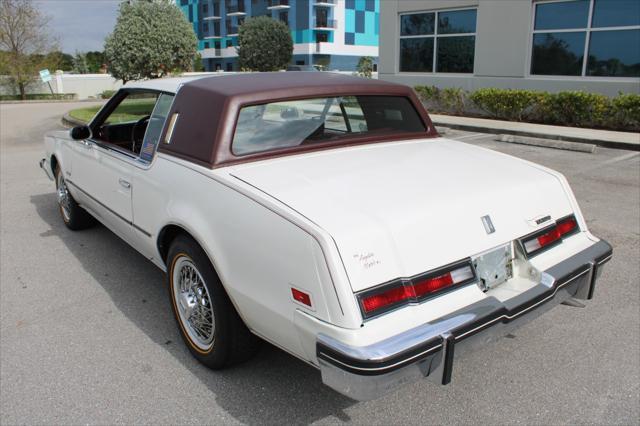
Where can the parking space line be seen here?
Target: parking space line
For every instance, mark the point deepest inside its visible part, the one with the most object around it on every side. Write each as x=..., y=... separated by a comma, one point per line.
x=608, y=162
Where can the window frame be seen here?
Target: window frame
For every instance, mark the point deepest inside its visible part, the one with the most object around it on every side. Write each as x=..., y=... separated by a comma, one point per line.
x=113, y=149
x=435, y=37
x=585, y=54
x=357, y=138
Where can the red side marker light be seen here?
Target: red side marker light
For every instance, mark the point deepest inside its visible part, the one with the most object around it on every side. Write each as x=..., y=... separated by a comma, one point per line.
x=301, y=296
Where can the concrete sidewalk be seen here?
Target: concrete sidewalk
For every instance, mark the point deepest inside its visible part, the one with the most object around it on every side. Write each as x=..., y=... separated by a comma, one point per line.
x=611, y=139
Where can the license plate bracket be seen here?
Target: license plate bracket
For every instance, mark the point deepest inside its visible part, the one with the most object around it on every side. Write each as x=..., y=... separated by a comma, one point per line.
x=494, y=266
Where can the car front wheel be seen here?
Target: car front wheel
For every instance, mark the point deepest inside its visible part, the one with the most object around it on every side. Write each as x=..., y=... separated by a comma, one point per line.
x=73, y=216
x=207, y=320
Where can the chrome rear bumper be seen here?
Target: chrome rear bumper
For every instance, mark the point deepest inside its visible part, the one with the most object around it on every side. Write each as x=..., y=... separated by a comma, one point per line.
x=365, y=373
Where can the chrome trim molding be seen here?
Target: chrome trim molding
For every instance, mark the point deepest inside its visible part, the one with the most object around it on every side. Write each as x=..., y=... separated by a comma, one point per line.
x=108, y=209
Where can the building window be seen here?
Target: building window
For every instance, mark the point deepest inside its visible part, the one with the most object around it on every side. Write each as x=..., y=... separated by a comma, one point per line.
x=322, y=37
x=205, y=9
x=586, y=38
x=350, y=38
x=443, y=41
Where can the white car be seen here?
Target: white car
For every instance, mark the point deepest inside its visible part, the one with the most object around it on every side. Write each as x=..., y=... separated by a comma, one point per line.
x=324, y=214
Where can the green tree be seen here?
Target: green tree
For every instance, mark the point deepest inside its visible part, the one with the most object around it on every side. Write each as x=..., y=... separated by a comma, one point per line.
x=198, y=64
x=80, y=63
x=365, y=66
x=95, y=61
x=65, y=61
x=26, y=41
x=264, y=44
x=150, y=40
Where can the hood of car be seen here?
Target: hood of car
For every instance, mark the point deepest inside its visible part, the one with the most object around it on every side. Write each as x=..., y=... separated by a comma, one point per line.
x=400, y=209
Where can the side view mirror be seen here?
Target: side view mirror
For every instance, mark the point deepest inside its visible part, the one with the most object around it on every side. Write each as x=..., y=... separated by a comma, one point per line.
x=80, y=132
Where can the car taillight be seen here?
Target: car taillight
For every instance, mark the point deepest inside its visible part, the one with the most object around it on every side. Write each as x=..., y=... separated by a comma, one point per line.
x=567, y=225
x=550, y=236
x=404, y=291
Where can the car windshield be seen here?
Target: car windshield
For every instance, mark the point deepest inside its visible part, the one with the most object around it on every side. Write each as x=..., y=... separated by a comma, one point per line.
x=287, y=124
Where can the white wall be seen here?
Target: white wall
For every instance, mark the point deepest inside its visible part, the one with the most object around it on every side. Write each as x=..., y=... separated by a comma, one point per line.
x=91, y=85
x=83, y=85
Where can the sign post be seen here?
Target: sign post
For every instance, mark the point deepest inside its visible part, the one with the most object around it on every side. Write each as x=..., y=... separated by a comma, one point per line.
x=45, y=76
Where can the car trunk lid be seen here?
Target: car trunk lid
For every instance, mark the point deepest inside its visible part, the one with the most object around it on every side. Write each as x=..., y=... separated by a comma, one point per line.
x=403, y=208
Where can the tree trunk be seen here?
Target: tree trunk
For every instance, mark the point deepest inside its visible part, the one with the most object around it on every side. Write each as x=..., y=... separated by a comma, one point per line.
x=23, y=93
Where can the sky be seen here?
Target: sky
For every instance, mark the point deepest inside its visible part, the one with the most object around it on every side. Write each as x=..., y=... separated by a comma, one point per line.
x=80, y=25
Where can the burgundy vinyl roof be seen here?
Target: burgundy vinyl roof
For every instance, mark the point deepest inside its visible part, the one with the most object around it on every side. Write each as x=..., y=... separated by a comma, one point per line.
x=208, y=108
x=273, y=82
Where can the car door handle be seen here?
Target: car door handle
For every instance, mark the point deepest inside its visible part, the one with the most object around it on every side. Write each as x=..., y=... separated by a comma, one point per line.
x=87, y=144
x=124, y=183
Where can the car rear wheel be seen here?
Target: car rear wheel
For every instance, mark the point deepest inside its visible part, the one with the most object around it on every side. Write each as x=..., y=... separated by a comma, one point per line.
x=207, y=320
x=73, y=216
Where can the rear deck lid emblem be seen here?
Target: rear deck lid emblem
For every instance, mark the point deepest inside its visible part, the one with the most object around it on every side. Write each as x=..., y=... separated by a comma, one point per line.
x=488, y=225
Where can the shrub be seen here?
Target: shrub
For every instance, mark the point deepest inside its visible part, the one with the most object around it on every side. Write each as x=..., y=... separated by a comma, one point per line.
x=40, y=97
x=150, y=39
x=107, y=94
x=452, y=99
x=428, y=93
x=569, y=108
x=625, y=111
x=365, y=67
x=506, y=104
x=264, y=44
x=576, y=109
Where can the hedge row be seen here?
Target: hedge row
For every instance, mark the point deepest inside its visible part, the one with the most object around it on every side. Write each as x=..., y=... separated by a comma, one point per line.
x=40, y=97
x=565, y=108
x=107, y=94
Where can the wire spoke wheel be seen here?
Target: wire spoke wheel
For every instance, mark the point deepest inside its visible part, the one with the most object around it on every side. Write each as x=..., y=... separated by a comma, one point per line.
x=64, y=198
x=193, y=302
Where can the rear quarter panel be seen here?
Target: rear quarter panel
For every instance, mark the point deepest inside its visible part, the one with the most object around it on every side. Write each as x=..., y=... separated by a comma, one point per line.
x=258, y=254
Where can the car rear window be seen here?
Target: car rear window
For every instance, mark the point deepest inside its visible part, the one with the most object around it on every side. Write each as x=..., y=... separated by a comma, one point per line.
x=287, y=124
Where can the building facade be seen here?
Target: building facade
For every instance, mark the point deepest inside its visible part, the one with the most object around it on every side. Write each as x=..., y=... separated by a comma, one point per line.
x=550, y=45
x=330, y=33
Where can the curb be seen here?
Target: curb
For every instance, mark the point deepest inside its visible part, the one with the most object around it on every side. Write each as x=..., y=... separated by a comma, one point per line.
x=548, y=143
x=69, y=121
x=482, y=129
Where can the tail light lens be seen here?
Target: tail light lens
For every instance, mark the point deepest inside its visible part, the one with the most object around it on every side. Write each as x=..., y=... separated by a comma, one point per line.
x=548, y=237
x=567, y=226
x=414, y=290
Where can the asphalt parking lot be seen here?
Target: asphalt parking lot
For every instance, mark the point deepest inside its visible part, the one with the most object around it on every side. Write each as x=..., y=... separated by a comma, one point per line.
x=87, y=336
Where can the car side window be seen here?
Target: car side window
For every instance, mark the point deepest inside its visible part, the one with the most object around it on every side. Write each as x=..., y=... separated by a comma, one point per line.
x=154, y=128
x=132, y=108
x=125, y=125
